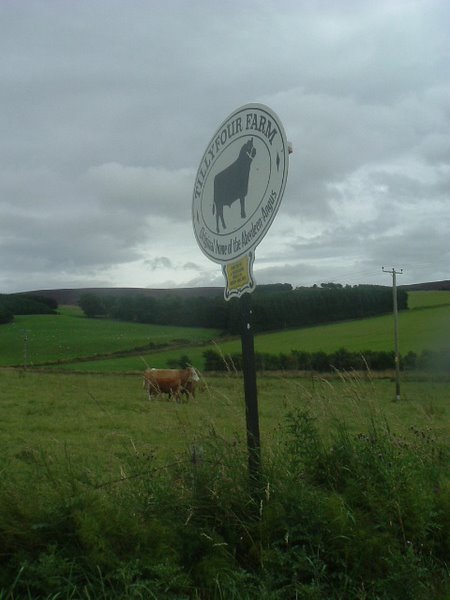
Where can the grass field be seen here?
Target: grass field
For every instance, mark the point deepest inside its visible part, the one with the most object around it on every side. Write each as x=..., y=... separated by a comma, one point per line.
x=55, y=409
x=424, y=327
x=102, y=496
x=426, y=299
x=100, y=418
x=70, y=335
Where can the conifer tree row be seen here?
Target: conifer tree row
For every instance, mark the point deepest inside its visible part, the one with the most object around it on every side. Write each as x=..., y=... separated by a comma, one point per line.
x=274, y=307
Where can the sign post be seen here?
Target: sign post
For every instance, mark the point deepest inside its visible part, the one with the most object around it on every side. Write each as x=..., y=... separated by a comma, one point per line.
x=250, y=391
x=237, y=193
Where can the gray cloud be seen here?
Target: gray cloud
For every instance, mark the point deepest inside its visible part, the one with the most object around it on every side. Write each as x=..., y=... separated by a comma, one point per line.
x=158, y=263
x=144, y=190
x=105, y=112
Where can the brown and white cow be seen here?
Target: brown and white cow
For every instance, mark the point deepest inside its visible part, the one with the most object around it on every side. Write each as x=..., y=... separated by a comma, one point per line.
x=171, y=381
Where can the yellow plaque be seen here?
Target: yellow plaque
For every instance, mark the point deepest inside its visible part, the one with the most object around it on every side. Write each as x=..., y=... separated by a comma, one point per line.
x=239, y=276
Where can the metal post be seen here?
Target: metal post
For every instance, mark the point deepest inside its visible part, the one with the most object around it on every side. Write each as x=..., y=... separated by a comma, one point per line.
x=394, y=273
x=25, y=351
x=397, y=357
x=250, y=389
x=25, y=333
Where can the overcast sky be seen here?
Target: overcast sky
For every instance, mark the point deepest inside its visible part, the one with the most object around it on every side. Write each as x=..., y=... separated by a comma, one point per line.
x=106, y=108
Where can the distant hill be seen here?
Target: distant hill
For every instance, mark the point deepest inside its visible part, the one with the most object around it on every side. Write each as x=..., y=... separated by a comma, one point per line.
x=428, y=286
x=71, y=295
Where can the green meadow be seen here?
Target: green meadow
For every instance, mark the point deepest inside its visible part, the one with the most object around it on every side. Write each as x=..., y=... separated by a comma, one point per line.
x=424, y=326
x=69, y=335
x=108, y=495
x=59, y=409
x=100, y=418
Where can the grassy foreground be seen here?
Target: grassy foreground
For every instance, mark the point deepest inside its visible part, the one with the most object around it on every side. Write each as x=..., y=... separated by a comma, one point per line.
x=100, y=418
x=106, y=495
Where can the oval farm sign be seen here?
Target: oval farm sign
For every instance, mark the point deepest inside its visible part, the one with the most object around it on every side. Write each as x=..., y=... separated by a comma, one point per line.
x=240, y=183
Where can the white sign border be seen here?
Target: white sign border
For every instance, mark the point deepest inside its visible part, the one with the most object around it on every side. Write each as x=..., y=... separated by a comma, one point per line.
x=205, y=239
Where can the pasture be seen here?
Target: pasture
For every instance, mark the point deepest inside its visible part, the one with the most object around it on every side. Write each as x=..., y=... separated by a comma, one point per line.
x=424, y=327
x=104, y=497
x=98, y=419
x=108, y=495
x=69, y=335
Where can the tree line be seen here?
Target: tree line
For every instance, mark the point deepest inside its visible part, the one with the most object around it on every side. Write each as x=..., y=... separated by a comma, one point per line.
x=322, y=362
x=274, y=307
x=25, y=304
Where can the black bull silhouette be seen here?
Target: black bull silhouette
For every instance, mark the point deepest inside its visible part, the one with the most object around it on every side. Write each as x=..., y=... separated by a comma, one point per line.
x=231, y=184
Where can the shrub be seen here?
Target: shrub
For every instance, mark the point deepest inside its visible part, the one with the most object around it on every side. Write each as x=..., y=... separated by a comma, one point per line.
x=375, y=509
x=341, y=360
x=179, y=363
x=23, y=304
x=92, y=305
x=6, y=315
x=352, y=516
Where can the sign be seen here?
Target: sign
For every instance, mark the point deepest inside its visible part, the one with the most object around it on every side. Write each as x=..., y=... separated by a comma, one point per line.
x=240, y=183
x=239, y=276
x=237, y=192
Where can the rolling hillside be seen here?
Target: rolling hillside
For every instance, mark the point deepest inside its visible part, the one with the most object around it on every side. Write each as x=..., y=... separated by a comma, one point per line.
x=71, y=296
x=37, y=339
x=427, y=286
x=422, y=328
x=69, y=336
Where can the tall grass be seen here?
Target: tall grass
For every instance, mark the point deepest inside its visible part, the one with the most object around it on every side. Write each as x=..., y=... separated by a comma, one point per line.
x=349, y=510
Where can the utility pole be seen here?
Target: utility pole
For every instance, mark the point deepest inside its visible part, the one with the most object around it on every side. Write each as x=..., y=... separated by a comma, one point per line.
x=394, y=274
